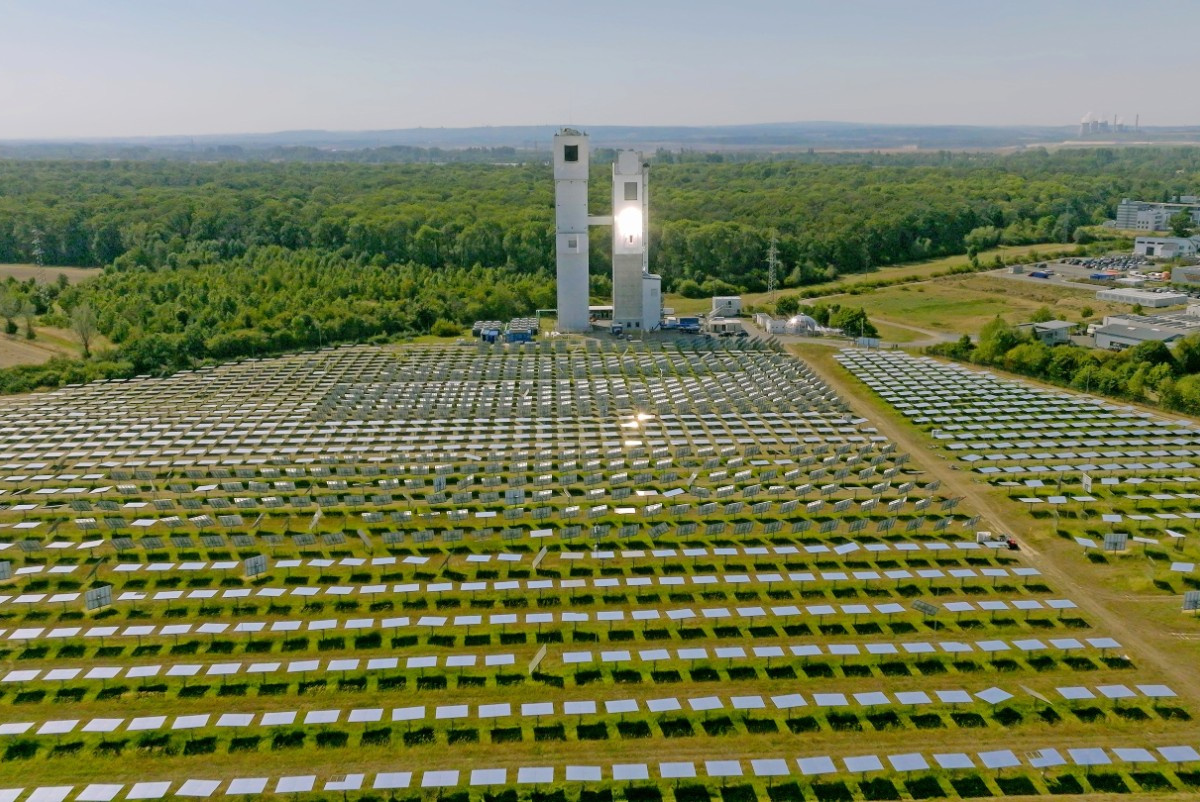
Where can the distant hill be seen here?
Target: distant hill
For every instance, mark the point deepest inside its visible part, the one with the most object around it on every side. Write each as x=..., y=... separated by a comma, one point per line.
x=498, y=143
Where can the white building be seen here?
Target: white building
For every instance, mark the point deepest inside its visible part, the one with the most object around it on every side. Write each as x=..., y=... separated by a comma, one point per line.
x=771, y=325
x=1053, y=332
x=1119, y=336
x=727, y=305
x=1166, y=247
x=1123, y=331
x=1142, y=216
x=723, y=325
x=1146, y=298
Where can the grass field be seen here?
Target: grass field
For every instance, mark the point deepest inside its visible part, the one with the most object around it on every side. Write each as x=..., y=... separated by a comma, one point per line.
x=47, y=275
x=49, y=343
x=964, y=304
x=917, y=270
x=896, y=334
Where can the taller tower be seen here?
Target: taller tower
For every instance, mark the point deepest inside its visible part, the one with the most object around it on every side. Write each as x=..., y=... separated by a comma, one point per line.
x=571, y=228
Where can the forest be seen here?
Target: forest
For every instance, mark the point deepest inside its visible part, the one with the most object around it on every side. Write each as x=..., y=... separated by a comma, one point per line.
x=217, y=261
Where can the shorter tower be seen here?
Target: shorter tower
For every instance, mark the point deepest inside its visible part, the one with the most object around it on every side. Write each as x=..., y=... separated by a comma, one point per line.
x=571, y=228
x=637, y=297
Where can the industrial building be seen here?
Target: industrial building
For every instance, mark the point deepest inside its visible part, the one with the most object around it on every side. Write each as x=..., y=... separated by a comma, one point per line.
x=1143, y=216
x=1166, y=247
x=726, y=305
x=1119, y=336
x=637, y=293
x=771, y=325
x=1123, y=331
x=1147, y=298
x=723, y=326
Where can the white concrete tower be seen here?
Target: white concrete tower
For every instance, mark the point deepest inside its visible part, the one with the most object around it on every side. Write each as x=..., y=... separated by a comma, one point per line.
x=571, y=228
x=637, y=300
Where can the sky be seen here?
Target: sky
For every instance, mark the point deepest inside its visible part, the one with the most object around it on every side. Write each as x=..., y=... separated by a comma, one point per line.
x=119, y=68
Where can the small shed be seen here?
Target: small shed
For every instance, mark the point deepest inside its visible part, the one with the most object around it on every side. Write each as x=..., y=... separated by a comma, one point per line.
x=1053, y=332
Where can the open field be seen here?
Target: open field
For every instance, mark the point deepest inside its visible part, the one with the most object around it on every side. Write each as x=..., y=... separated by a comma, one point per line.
x=896, y=334
x=690, y=571
x=964, y=304
x=47, y=275
x=917, y=270
x=50, y=342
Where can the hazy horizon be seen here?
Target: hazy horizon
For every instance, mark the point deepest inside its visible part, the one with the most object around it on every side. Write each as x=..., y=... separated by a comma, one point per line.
x=127, y=68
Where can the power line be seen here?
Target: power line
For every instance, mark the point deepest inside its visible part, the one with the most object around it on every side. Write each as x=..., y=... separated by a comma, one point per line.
x=773, y=265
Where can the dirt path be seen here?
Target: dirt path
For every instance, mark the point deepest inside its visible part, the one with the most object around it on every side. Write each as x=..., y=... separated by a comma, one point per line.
x=931, y=337
x=1145, y=639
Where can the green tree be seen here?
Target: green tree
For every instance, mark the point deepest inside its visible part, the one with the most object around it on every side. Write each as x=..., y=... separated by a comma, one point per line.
x=1151, y=353
x=995, y=340
x=787, y=305
x=1086, y=312
x=445, y=328
x=1028, y=358
x=10, y=309
x=83, y=324
x=1187, y=354
x=28, y=312
x=960, y=349
x=1042, y=315
x=853, y=322
x=1181, y=223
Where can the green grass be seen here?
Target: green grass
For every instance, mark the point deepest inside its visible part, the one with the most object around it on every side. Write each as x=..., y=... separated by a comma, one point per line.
x=964, y=304
x=912, y=271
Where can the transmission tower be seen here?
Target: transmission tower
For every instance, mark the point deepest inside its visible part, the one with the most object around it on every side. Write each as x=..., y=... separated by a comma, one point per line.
x=37, y=246
x=38, y=254
x=773, y=266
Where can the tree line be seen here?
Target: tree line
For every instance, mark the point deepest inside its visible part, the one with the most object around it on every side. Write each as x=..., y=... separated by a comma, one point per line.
x=216, y=261
x=709, y=221
x=1149, y=372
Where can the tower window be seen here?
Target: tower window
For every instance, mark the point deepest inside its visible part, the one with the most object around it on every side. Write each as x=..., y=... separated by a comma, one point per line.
x=630, y=190
x=570, y=153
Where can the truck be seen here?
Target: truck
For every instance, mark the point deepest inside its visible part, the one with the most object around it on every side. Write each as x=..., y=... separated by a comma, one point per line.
x=1039, y=274
x=1101, y=277
x=617, y=329
x=689, y=325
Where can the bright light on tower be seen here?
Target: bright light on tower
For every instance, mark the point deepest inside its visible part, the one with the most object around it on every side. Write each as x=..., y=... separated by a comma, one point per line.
x=629, y=223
